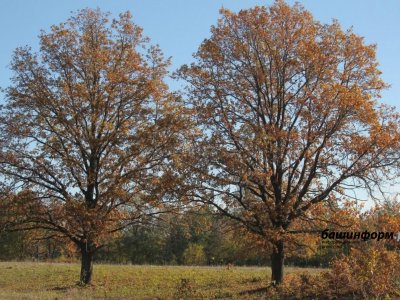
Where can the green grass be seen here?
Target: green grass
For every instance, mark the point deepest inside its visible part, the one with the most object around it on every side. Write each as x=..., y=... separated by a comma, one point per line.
x=27, y=280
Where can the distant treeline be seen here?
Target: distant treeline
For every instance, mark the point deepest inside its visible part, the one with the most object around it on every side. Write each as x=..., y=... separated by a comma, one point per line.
x=190, y=238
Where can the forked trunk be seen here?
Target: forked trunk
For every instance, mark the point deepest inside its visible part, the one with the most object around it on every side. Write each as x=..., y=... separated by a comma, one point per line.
x=86, y=267
x=277, y=259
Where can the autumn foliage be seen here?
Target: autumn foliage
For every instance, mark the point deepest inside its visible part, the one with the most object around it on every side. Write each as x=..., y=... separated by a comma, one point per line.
x=89, y=132
x=364, y=274
x=289, y=117
x=280, y=121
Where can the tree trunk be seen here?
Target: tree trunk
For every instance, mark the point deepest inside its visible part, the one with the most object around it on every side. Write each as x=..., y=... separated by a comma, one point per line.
x=86, y=267
x=277, y=259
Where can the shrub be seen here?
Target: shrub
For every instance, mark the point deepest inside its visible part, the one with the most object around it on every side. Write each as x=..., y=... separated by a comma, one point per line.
x=367, y=273
x=194, y=255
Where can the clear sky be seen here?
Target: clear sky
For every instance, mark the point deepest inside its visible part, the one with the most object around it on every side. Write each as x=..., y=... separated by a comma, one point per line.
x=179, y=26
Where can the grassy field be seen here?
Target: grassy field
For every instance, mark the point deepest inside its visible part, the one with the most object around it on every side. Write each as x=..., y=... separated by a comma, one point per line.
x=26, y=280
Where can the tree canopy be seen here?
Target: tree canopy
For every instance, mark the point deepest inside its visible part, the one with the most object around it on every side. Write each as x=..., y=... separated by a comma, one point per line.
x=280, y=120
x=289, y=114
x=89, y=132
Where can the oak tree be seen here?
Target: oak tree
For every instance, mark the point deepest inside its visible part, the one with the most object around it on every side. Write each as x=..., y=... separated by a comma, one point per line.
x=288, y=114
x=89, y=132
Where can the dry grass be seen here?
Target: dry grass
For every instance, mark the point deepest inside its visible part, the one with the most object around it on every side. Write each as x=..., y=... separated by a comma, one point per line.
x=27, y=280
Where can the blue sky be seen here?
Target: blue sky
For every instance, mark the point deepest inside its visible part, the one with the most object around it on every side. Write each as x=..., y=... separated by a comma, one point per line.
x=179, y=26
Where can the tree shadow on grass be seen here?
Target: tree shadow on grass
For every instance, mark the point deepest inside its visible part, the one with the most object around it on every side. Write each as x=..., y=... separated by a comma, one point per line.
x=262, y=290
x=68, y=287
